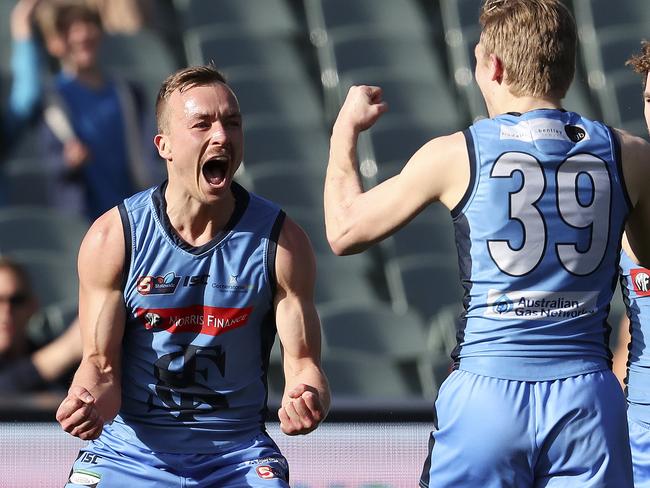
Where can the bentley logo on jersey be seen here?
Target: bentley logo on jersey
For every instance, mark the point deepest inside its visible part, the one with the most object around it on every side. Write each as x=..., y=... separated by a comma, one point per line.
x=641, y=281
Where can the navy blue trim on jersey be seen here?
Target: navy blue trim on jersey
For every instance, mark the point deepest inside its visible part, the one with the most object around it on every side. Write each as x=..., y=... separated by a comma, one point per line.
x=274, y=237
x=619, y=165
x=268, y=336
x=461, y=228
x=425, y=477
x=128, y=242
x=471, y=153
x=160, y=206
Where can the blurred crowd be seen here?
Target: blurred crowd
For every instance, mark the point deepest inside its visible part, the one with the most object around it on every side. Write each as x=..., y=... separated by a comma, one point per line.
x=88, y=132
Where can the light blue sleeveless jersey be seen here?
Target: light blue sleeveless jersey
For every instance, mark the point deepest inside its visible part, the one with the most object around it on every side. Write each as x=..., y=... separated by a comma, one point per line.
x=199, y=330
x=635, y=284
x=538, y=235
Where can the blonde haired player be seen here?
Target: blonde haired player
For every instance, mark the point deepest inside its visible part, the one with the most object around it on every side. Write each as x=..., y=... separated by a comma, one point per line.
x=539, y=197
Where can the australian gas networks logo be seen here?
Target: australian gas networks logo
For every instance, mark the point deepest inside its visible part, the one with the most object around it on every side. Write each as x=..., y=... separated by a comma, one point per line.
x=502, y=305
x=540, y=305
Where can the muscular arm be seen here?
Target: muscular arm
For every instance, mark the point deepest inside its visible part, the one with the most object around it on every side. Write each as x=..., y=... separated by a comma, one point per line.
x=635, y=153
x=94, y=397
x=306, y=398
x=355, y=219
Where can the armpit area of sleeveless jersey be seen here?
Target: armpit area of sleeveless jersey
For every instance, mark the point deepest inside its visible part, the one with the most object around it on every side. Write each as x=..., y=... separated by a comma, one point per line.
x=635, y=284
x=200, y=327
x=538, y=235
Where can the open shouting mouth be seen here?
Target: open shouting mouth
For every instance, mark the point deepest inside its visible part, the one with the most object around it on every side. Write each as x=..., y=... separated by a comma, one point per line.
x=215, y=170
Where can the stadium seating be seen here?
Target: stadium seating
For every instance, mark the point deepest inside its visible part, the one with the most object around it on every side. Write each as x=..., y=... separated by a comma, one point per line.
x=142, y=57
x=275, y=139
x=377, y=329
x=233, y=50
x=348, y=279
x=28, y=228
x=289, y=182
x=267, y=17
x=54, y=279
x=423, y=283
x=364, y=375
x=274, y=95
x=24, y=180
x=610, y=32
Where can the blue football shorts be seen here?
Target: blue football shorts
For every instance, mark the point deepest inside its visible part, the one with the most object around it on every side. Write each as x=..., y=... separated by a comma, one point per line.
x=110, y=462
x=495, y=433
x=640, y=443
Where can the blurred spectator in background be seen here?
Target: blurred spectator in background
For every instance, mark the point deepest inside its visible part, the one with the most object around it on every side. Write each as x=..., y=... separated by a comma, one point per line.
x=23, y=366
x=94, y=122
x=26, y=87
x=123, y=16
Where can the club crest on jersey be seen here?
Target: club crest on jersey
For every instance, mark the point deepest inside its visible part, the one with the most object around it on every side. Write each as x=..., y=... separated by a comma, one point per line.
x=158, y=285
x=641, y=281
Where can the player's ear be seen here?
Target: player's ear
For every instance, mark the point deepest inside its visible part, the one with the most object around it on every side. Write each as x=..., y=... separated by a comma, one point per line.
x=496, y=68
x=163, y=146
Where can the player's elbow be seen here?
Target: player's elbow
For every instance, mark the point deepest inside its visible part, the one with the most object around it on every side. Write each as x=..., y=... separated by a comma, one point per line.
x=343, y=246
x=339, y=244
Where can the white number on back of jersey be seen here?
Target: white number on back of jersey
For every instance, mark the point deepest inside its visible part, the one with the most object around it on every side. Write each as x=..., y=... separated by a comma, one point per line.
x=581, y=215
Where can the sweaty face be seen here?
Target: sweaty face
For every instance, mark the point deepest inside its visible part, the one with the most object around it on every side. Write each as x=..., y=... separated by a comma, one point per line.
x=16, y=307
x=205, y=139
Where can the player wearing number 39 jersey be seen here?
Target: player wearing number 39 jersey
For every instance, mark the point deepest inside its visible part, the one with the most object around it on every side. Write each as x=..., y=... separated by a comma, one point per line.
x=182, y=290
x=539, y=197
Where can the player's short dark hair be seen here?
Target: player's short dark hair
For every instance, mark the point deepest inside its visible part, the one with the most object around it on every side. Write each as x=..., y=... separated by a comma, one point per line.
x=181, y=80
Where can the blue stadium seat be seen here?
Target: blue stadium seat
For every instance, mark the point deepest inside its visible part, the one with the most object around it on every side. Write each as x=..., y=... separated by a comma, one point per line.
x=142, y=57
x=274, y=139
x=29, y=228
x=385, y=15
x=365, y=376
x=233, y=50
x=272, y=17
x=273, y=95
x=54, y=279
x=347, y=279
x=423, y=283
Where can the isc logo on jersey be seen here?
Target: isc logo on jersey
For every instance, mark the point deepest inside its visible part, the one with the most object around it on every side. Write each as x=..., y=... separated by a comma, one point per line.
x=641, y=281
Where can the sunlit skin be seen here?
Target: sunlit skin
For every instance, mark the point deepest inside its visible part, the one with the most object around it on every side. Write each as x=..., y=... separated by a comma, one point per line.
x=202, y=142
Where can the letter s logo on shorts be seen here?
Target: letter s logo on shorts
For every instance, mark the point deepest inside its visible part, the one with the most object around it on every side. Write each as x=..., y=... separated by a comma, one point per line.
x=265, y=472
